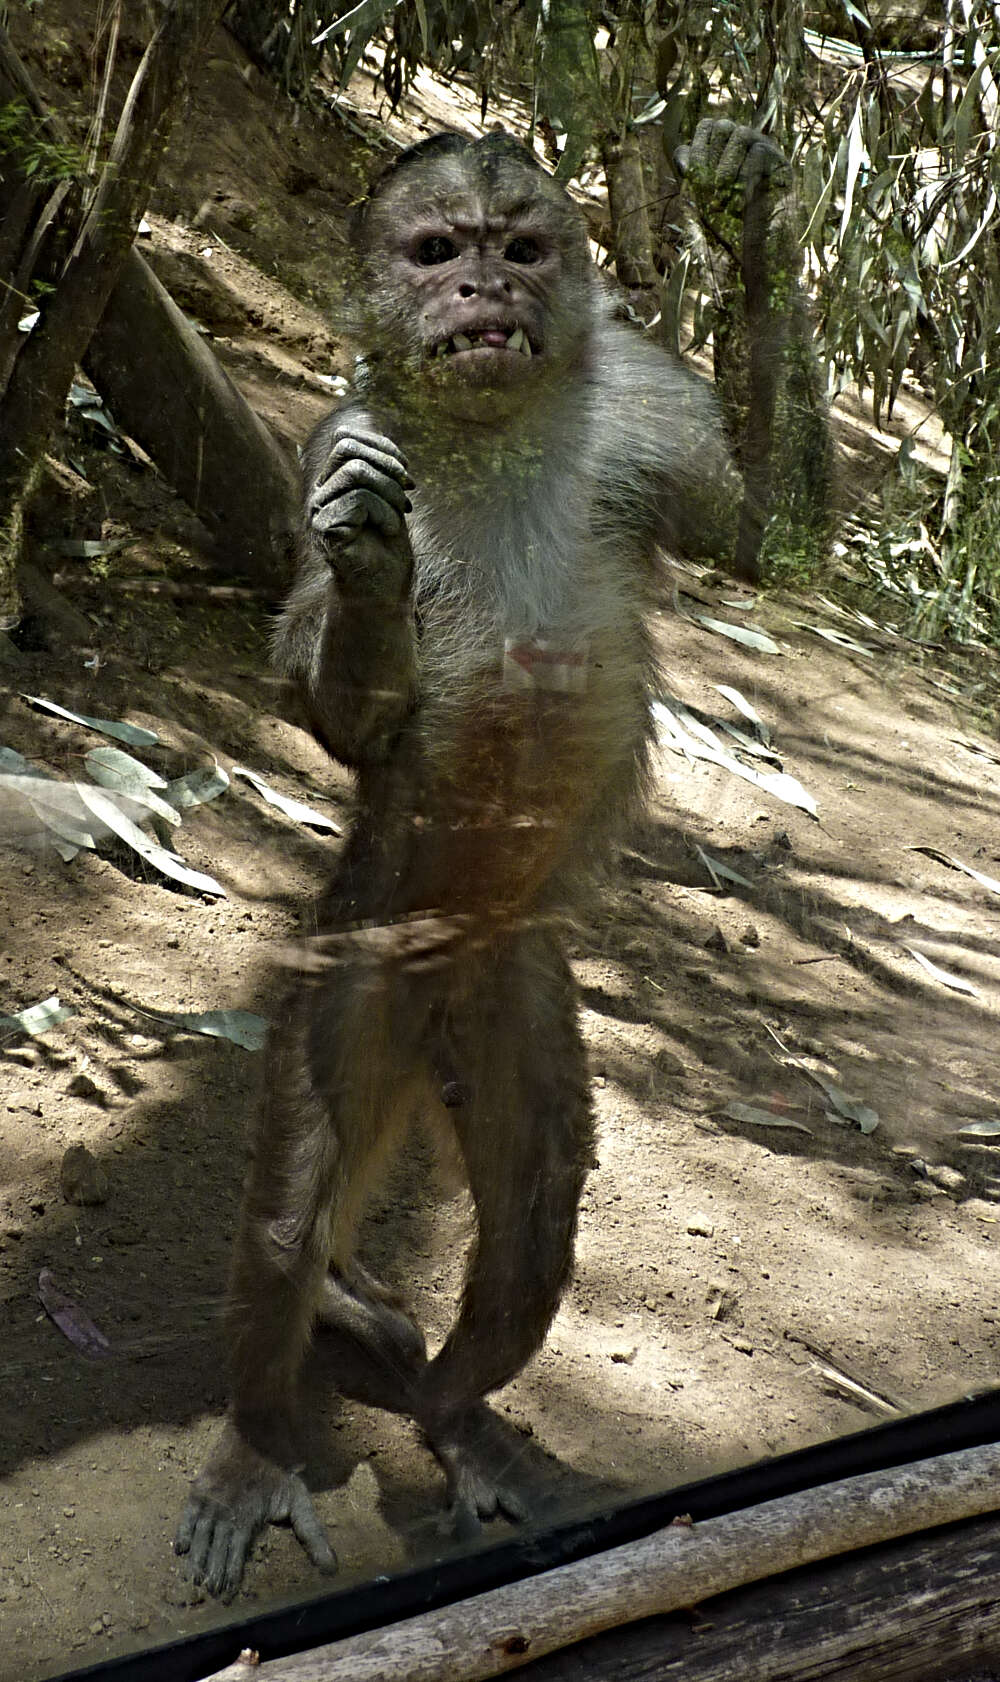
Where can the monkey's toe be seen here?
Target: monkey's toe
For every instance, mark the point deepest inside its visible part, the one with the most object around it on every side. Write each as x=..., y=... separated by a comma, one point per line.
x=216, y=1541
x=480, y=1462
x=478, y=1494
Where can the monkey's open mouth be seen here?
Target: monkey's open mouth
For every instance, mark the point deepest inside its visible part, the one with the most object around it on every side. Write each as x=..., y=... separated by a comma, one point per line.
x=487, y=338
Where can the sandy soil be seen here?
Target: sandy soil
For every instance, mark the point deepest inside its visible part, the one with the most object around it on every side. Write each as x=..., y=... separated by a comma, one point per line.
x=742, y=1286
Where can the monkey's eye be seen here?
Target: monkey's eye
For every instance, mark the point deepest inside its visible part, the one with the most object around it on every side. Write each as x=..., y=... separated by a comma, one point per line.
x=524, y=249
x=436, y=248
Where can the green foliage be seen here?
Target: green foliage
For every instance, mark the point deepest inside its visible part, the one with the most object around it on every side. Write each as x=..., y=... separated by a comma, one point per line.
x=39, y=158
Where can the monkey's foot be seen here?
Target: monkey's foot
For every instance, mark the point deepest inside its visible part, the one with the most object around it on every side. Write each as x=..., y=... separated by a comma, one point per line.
x=479, y=1458
x=231, y=1501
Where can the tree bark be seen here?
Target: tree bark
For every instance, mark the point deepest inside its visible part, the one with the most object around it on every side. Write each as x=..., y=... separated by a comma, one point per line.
x=169, y=392
x=629, y=211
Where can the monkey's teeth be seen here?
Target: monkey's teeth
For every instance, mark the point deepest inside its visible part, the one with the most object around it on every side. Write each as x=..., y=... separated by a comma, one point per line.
x=460, y=342
x=517, y=339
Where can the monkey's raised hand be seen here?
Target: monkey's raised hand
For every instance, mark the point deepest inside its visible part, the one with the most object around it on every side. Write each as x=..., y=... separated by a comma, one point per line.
x=724, y=156
x=359, y=496
x=235, y=1496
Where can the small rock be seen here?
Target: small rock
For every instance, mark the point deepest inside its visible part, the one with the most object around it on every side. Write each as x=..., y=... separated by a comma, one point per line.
x=942, y=1175
x=783, y=839
x=721, y=1302
x=123, y=1234
x=716, y=941
x=750, y=936
x=81, y=1086
x=97, y=1627
x=624, y=1357
x=743, y=1344
x=699, y=1226
x=82, y=1180
x=667, y=1062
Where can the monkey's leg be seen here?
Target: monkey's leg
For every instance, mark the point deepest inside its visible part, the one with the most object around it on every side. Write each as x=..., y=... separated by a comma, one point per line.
x=379, y=1351
x=325, y=1122
x=526, y=1135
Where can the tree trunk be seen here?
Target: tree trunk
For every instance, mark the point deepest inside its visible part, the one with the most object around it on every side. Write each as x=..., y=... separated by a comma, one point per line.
x=181, y=406
x=628, y=207
x=43, y=364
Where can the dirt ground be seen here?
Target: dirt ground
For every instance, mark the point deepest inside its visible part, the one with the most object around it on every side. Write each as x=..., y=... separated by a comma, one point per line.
x=746, y=1283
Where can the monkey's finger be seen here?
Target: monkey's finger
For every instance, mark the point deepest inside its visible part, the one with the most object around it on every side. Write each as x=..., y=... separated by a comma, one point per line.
x=368, y=450
x=346, y=517
x=359, y=476
x=465, y=1521
x=710, y=139
x=749, y=158
x=308, y=1529
x=227, y=1558
x=199, y=1525
x=185, y=1529
x=372, y=441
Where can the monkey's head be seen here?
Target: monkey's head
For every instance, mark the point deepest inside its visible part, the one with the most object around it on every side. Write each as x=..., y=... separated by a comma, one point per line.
x=473, y=283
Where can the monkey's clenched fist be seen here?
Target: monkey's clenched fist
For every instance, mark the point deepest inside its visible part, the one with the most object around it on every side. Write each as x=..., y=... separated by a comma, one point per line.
x=360, y=493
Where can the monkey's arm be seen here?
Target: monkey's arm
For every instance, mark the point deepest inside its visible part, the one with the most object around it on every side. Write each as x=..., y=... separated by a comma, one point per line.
x=665, y=475
x=767, y=374
x=347, y=631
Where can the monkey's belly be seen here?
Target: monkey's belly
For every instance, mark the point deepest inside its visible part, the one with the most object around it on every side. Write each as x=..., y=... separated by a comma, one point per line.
x=519, y=789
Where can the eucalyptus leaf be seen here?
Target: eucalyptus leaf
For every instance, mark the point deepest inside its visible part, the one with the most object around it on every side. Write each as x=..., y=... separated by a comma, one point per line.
x=988, y=882
x=738, y=633
x=979, y=1130
x=294, y=809
x=720, y=872
x=957, y=983
x=852, y=1109
x=112, y=769
x=687, y=735
x=839, y=638
x=756, y=1117
x=37, y=1019
x=168, y=864
x=131, y=733
x=197, y=787
x=243, y=1027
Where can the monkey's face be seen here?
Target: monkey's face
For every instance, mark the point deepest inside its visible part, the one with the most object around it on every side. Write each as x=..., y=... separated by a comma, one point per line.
x=480, y=289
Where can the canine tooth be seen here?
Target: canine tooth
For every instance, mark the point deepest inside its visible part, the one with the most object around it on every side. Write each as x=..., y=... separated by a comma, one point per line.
x=525, y=345
x=516, y=340
x=461, y=342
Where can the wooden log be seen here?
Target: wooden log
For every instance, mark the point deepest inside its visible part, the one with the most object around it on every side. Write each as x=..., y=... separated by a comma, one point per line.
x=674, y=1568
x=921, y=1610
x=167, y=390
